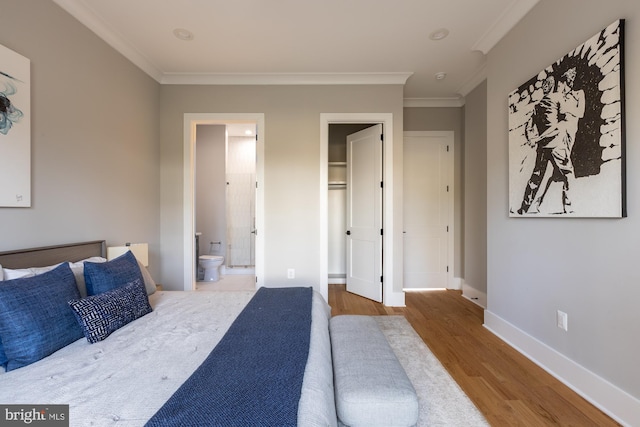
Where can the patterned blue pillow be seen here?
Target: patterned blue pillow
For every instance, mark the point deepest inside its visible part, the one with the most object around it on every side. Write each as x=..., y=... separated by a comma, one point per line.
x=106, y=276
x=35, y=319
x=102, y=314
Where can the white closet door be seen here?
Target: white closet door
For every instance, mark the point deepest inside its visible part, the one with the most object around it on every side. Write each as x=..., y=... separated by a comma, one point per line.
x=428, y=225
x=364, y=213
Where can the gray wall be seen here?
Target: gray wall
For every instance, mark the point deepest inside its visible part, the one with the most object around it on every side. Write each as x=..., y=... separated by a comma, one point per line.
x=95, y=153
x=475, y=188
x=292, y=167
x=587, y=268
x=450, y=119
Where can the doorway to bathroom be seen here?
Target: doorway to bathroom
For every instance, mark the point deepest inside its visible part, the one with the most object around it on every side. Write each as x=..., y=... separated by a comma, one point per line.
x=225, y=192
x=225, y=210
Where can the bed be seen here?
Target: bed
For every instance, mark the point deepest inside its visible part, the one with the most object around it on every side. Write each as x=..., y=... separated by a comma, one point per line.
x=133, y=375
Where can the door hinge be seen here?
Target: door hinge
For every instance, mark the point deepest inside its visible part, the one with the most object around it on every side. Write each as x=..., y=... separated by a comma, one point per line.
x=381, y=279
x=382, y=137
x=381, y=184
x=447, y=268
x=257, y=140
x=381, y=232
x=447, y=188
x=447, y=148
x=447, y=228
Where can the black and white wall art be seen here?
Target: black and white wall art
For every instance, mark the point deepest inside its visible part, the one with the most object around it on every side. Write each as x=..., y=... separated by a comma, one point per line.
x=15, y=129
x=567, y=137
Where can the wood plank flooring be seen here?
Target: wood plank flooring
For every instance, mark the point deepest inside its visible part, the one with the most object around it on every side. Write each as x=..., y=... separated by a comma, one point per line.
x=508, y=388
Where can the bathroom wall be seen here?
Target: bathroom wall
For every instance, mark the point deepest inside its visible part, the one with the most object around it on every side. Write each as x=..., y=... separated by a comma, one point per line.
x=210, y=187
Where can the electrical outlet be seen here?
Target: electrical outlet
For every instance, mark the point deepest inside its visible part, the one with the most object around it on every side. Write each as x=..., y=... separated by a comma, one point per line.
x=291, y=273
x=563, y=320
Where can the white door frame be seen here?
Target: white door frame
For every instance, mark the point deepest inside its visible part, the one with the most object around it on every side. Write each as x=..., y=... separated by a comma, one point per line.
x=191, y=120
x=389, y=296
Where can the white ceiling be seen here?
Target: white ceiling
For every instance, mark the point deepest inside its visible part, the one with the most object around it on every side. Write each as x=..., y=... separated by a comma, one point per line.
x=308, y=42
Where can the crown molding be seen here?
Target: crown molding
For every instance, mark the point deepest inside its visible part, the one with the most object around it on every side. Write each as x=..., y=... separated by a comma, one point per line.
x=89, y=19
x=395, y=78
x=505, y=22
x=473, y=81
x=452, y=102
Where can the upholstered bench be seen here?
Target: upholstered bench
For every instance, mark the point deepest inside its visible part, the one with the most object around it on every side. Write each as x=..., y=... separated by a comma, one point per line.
x=371, y=387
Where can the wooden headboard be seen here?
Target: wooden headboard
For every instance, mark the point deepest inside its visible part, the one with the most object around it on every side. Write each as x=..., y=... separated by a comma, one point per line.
x=49, y=255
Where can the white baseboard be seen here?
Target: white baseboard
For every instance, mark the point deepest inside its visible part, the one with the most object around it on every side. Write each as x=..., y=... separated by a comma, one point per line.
x=474, y=295
x=613, y=401
x=394, y=299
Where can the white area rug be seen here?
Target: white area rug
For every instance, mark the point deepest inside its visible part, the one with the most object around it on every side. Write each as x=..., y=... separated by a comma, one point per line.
x=442, y=401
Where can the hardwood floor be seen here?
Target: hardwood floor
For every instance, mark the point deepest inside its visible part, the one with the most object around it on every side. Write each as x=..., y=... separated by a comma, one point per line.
x=508, y=388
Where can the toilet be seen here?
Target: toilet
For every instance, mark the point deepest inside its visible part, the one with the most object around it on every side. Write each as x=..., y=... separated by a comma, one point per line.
x=211, y=266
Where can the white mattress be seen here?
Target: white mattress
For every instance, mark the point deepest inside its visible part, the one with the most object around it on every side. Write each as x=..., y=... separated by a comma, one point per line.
x=126, y=378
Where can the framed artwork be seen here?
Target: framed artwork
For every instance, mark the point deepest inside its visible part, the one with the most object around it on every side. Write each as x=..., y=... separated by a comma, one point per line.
x=567, y=134
x=15, y=129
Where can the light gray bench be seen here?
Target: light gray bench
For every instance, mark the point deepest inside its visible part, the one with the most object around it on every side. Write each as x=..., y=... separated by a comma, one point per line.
x=371, y=387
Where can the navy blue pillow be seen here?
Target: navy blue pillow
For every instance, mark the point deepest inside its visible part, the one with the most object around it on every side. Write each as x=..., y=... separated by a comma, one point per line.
x=102, y=314
x=3, y=357
x=105, y=276
x=35, y=319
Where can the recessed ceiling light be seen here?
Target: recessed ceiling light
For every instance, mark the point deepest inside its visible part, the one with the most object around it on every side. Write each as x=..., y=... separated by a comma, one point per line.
x=439, y=34
x=183, y=34
x=441, y=75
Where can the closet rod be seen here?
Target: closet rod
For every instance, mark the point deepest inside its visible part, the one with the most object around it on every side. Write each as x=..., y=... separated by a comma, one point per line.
x=337, y=186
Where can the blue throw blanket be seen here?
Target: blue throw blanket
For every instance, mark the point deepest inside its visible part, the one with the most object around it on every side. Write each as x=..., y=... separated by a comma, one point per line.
x=253, y=377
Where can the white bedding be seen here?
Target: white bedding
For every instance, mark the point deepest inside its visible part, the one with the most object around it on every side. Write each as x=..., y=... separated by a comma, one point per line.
x=125, y=379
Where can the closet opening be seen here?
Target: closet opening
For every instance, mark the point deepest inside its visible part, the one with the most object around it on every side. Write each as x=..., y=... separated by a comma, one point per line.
x=391, y=278
x=337, y=198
